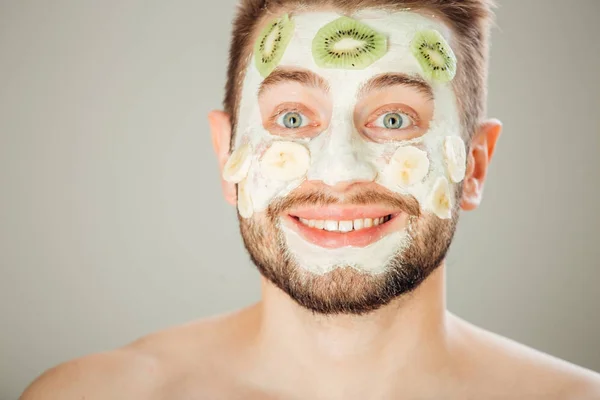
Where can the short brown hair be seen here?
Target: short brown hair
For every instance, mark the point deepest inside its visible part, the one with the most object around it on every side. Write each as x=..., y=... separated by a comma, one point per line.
x=470, y=21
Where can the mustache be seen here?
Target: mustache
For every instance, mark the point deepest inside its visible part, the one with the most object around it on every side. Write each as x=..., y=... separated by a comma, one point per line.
x=320, y=198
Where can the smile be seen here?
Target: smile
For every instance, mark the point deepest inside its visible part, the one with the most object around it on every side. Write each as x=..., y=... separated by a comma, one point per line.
x=342, y=226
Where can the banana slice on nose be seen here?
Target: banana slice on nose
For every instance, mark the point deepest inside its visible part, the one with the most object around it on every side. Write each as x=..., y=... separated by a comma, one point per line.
x=409, y=165
x=456, y=158
x=244, y=201
x=237, y=166
x=440, y=200
x=285, y=161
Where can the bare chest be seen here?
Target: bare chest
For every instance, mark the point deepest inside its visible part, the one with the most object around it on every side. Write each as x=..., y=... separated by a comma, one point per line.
x=230, y=388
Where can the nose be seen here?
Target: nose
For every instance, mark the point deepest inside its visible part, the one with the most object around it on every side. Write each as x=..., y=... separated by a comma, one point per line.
x=341, y=160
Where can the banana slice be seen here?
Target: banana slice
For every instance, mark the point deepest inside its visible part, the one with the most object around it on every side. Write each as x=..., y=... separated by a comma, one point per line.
x=244, y=201
x=456, y=158
x=285, y=161
x=440, y=200
x=236, y=167
x=408, y=166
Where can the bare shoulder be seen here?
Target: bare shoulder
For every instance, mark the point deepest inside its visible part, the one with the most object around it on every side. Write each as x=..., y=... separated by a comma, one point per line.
x=99, y=376
x=507, y=367
x=148, y=368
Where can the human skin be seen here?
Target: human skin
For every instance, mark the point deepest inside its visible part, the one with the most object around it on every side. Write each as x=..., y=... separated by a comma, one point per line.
x=411, y=348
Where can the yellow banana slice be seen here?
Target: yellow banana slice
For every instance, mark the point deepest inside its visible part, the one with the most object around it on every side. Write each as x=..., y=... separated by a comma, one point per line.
x=285, y=161
x=456, y=158
x=408, y=166
x=236, y=167
x=440, y=200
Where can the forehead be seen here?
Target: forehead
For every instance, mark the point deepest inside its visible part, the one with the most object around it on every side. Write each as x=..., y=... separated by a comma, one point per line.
x=399, y=27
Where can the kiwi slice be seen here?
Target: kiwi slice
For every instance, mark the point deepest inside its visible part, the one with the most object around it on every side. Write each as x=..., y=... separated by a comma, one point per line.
x=347, y=44
x=435, y=55
x=271, y=44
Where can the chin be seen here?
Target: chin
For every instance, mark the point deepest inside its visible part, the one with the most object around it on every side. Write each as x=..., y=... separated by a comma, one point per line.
x=382, y=265
x=374, y=259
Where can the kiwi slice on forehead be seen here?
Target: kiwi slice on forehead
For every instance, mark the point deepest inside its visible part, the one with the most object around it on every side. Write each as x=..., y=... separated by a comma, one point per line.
x=435, y=56
x=271, y=44
x=347, y=44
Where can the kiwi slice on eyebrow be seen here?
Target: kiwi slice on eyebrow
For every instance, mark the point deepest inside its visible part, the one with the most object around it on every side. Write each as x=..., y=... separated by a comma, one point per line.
x=271, y=44
x=347, y=44
x=435, y=56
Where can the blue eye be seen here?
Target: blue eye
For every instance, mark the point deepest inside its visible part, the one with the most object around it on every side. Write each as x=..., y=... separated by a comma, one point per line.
x=393, y=120
x=292, y=120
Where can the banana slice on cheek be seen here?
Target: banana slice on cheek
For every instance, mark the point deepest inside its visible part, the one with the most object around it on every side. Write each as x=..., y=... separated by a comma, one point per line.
x=455, y=156
x=236, y=171
x=285, y=161
x=440, y=199
x=408, y=166
x=237, y=166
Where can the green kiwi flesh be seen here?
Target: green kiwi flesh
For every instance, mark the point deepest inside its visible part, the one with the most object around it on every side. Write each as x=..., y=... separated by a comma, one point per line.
x=347, y=44
x=271, y=44
x=435, y=56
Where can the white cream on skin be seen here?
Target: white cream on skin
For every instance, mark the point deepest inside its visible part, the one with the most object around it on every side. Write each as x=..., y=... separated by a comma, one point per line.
x=340, y=153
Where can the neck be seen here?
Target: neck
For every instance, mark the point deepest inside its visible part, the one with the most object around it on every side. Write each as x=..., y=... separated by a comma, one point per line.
x=405, y=338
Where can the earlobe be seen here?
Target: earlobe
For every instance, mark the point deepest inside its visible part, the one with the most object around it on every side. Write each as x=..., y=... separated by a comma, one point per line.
x=220, y=128
x=480, y=154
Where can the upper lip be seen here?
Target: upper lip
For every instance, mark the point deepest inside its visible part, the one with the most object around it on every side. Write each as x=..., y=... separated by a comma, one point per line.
x=343, y=212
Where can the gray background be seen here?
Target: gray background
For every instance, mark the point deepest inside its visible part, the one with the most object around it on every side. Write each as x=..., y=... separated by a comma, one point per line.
x=112, y=223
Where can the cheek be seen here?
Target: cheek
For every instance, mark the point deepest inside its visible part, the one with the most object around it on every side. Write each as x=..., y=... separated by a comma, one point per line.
x=435, y=190
x=262, y=190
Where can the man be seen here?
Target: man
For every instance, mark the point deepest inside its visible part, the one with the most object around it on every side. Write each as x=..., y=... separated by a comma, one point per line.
x=353, y=132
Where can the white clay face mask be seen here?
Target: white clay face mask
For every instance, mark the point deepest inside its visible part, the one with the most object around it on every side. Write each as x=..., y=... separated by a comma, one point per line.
x=268, y=166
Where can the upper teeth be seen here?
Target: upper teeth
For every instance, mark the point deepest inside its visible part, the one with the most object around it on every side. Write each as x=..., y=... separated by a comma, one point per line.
x=344, y=226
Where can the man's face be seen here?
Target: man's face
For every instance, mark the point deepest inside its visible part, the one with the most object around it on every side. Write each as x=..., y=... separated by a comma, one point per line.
x=348, y=179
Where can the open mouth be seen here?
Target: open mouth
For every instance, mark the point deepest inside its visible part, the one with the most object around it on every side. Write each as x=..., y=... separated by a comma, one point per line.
x=332, y=227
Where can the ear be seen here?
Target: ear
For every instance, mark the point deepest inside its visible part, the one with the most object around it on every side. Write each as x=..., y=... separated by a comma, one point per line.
x=478, y=161
x=220, y=130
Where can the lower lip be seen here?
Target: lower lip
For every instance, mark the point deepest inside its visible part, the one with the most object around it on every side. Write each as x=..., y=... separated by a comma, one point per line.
x=333, y=240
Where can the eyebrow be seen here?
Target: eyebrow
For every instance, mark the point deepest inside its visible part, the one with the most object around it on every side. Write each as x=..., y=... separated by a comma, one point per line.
x=393, y=79
x=301, y=76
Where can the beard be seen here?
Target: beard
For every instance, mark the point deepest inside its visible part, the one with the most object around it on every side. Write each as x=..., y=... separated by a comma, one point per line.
x=347, y=290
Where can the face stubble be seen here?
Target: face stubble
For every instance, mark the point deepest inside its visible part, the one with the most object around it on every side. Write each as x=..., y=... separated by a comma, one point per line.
x=346, y=290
